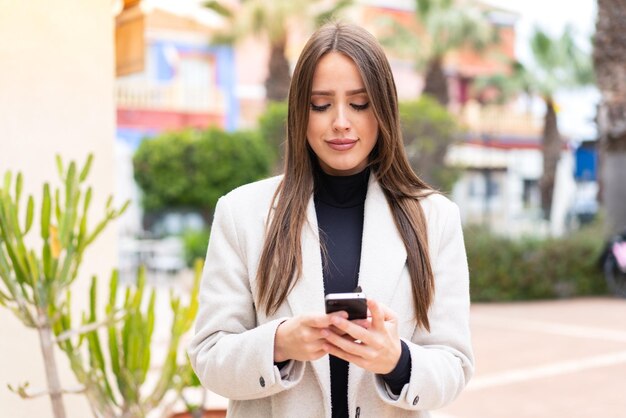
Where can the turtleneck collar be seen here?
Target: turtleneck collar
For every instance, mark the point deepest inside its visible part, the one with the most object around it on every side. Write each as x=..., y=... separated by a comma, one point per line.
x=341, y=191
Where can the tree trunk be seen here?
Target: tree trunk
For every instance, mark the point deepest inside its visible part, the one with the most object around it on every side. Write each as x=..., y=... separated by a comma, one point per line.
x=609, y=57
x=52, y=374
x=614, y=175
x=551, y=149
x=279, y=77
x=435, y=82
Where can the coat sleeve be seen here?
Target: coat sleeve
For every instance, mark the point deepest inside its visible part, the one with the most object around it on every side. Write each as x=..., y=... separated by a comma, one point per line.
x=232, y=355
x=442, y=361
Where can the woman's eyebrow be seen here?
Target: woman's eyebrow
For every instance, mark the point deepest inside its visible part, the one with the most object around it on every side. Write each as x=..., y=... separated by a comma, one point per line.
x=332, y=93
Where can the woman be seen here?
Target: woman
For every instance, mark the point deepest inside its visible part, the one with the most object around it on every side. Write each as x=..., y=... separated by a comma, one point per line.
x=348, y=211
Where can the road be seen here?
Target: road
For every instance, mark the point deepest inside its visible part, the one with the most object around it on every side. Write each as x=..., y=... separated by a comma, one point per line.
x=552, y=359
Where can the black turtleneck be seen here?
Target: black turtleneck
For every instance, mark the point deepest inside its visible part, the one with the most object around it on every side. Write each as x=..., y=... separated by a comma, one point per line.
x=339, y=205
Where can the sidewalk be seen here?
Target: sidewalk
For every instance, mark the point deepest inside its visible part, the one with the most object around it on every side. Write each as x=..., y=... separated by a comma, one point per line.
x=551, y=359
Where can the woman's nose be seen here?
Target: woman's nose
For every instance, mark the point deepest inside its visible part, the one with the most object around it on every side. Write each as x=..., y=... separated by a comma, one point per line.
x=341, y=122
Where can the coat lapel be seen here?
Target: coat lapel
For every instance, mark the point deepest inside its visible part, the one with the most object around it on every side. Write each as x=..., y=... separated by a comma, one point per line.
x=383, y=254
x=383, y=257
x=307, y=296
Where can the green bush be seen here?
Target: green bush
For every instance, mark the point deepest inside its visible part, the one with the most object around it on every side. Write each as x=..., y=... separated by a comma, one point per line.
x=195, y=244
x=273, y=129
x=503, y=269
x=192, y=169
x=428, y=130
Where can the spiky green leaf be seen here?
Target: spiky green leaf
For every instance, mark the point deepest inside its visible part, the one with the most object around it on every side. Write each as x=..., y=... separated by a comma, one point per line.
x=7, y=181
x=19, y=184
x=30, y=209
x=60, y=168
x=45, y=212
x=85, y=171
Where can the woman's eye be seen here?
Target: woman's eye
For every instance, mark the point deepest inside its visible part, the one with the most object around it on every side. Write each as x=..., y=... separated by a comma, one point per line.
x=360, y=106
x=319, y=108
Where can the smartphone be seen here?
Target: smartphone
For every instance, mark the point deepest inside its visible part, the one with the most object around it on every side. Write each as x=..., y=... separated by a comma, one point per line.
x=353, y=303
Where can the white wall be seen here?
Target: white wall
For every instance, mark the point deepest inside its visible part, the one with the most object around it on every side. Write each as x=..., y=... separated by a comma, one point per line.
x=506, y=213
x=56, y=96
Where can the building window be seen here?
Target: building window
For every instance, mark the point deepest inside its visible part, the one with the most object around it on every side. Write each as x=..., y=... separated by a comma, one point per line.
x=530, y=193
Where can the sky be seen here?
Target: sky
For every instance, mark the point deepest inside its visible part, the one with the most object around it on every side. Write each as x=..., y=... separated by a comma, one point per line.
x=577, y=108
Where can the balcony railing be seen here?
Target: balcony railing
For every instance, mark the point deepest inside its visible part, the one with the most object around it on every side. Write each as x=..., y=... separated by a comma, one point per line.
x=173, y=97
x=500, y=120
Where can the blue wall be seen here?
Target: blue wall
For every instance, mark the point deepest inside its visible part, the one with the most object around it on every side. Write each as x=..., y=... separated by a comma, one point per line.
x=225, y=66
x=586, y=163
x=160, y=69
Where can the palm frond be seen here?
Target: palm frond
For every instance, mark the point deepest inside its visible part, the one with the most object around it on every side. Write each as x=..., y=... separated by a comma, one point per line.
x=423, y=8
x=544, y=49
x=560, y=62
x=218, y=8
x=259, y=19
x=581, y=61
x=333, y=12
x=509, y=86
x=451, y=27
x=400, y=40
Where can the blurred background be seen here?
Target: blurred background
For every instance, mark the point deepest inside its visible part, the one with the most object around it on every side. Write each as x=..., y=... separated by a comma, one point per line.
x=515, y=109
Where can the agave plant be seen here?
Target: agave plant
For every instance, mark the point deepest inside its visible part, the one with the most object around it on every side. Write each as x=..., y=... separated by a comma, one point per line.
x=34, y=281
x=115, y=374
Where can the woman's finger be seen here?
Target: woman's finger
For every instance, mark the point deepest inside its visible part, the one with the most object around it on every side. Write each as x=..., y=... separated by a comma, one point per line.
x=322, y=321
x=337, y=352
x=355, y=331
x=378, y=316
x=349, y=346
x=389, y=314
x=364, y=323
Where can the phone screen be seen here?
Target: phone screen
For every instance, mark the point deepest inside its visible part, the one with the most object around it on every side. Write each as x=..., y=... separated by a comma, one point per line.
x=355, y=304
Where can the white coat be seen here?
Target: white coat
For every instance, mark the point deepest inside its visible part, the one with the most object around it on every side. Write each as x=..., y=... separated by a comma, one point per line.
x=233, y=348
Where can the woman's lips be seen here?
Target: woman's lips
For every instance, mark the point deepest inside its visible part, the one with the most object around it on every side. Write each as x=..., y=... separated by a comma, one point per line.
x=341, y=144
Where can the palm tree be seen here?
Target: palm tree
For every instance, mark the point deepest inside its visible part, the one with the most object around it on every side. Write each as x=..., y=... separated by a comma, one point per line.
x=609, y=57
x=444, y=26
x=271, y=19
x=558, y=64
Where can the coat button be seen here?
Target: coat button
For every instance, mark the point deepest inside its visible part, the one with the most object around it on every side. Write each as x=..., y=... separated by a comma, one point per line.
x=416, y=400
x=262, y=382
x=358, y=412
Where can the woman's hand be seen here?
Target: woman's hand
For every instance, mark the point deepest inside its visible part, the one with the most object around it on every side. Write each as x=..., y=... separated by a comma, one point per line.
x=303, y=337
x=364, y=323
x=376, y=349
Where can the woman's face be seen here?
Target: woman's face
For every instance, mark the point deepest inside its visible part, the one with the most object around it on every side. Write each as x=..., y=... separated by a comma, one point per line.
x=342, y=129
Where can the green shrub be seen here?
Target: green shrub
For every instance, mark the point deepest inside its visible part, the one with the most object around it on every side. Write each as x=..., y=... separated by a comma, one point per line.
x=428, y=130
x=192, y=169
x=273, y=129
x=195, y=243
x=503, y=269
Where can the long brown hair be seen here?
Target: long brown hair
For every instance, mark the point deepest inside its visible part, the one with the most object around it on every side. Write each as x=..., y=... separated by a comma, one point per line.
x=280, y=264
